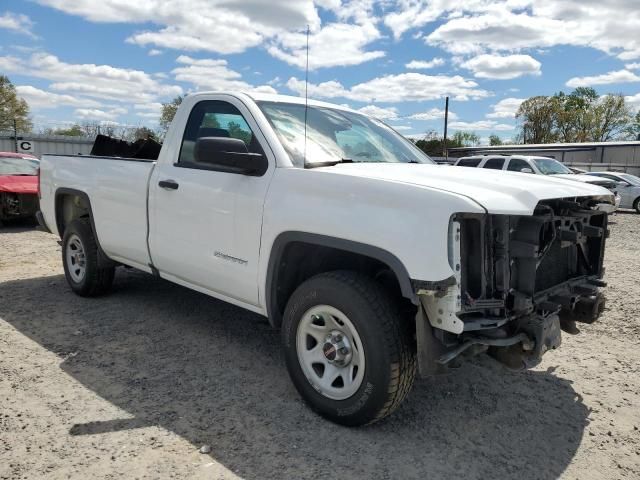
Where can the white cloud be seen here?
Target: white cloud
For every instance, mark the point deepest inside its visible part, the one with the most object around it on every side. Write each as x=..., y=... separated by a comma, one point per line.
x=401, y=128
x=480, y=125
x=632, y=66
x=506, y=108
x=96, y=114
x=40, y=99
x=390, y=113
x=18, y=23
x=221, y=26
x=633, y=100
x=404, y=87
x=425, y=64
x=502, y=67
x=337, y=44
x=411, y=14
x=500, y=30
x=90, y=80
x=619, y=76
x=148, y=110
x=213, y=74
x=475, y=26
x=233, y=26
x=433, y=114
x=154, y=52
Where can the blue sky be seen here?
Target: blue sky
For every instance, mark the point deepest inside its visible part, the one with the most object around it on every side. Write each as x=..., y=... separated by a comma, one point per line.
x=118, y=60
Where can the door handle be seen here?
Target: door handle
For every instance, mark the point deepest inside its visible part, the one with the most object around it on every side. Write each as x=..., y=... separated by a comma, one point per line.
x=168, y=184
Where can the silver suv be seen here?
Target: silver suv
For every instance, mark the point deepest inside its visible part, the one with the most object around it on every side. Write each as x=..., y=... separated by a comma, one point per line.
x=538, y=166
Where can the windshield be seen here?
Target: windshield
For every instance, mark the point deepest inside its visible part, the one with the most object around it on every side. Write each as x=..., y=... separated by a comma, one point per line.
x=549, y=166
x=632, y=179
x=18, y=166
x=336, y=135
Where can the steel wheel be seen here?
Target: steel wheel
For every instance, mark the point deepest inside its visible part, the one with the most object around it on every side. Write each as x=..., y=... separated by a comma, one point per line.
x=76, y=259
x=330, y=352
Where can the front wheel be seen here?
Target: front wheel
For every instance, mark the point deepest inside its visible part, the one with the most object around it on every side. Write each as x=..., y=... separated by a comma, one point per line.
x=636, y=205
x=348, y=350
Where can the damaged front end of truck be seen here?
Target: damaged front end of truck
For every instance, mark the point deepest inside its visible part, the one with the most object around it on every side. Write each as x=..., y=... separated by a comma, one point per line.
x=519, y=280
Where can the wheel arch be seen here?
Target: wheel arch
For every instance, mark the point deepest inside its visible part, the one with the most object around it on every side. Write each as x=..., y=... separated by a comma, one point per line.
x=70, y=204
x=279, y=286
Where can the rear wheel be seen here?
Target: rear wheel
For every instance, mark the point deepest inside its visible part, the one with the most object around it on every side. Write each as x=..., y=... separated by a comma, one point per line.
x=348, y=350
x=636, y=205
x=80, y=261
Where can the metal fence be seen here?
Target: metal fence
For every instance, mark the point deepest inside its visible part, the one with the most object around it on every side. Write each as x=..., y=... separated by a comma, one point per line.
x=37, y=144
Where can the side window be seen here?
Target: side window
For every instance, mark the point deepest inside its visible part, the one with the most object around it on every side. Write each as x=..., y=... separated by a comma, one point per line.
x=469, y=162
x=494, y=163
x=215, y=118
x=516, y=165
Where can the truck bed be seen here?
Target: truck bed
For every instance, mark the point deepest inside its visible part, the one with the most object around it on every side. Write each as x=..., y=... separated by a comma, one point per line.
x=117, y=189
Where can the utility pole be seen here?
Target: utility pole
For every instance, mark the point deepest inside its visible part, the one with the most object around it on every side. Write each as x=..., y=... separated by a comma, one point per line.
x=445, y=150
x=15, y=135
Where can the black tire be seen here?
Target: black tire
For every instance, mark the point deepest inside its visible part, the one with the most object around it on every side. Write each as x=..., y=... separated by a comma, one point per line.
x=96, y=280
x=636, y=205
x=385, y=335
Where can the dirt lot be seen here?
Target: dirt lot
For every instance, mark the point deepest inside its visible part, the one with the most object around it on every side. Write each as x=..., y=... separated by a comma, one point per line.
x=131, y=385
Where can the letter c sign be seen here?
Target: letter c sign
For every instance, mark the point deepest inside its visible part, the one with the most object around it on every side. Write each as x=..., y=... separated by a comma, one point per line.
x=25, y=146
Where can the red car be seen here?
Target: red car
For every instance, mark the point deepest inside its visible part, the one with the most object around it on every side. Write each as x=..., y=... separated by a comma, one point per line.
x=18, y=185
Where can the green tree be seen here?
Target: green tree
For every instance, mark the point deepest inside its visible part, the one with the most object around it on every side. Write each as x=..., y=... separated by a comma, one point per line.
x=633, y=130
x=581, y=116
x=13, y=108
x=466, y=139
x=432, y=144
x=610, y=119
x=144, y=133
x=495, y=140
x=538, y=120
x=236, y=131
x=168, y=112
x=73, y=131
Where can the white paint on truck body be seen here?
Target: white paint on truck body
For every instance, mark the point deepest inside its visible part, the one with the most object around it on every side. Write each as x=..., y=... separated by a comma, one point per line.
x=216, y=232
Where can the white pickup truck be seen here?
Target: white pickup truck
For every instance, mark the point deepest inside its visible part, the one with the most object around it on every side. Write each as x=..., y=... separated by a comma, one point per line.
x=372, y=260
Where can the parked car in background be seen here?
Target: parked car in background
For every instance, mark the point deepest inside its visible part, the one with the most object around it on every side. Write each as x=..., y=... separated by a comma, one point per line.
x=18, y=185
x=538, y=166
x=628, y=187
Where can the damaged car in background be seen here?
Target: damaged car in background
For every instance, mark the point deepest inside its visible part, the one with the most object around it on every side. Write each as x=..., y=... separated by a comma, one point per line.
x=18, y=186
x=373, y=261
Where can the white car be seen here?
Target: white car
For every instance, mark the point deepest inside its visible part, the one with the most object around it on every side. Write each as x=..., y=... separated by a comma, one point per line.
x=628, y=187
x=539, y=166
x=371, y=259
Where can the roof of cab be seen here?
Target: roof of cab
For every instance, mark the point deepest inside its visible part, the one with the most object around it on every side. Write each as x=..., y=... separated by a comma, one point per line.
x=271, y=97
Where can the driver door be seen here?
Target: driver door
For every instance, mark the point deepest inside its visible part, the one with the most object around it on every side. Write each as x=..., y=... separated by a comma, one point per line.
x=205, y=225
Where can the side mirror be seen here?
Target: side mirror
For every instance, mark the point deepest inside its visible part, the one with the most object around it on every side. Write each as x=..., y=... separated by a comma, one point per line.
x=526, y=170
x=229, y=155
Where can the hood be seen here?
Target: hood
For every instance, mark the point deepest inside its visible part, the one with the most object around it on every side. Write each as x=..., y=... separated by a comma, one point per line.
x=497, y=191
x=19, y=184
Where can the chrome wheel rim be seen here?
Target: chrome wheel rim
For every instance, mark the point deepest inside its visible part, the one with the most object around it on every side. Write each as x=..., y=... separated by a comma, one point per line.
x=76, y=260
x=330, y=352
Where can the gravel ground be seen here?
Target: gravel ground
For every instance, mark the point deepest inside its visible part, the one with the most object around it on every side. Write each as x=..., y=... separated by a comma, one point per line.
x=132, y=384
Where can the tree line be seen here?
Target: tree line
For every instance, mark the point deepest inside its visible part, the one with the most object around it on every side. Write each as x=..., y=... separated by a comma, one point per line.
x=580, y=116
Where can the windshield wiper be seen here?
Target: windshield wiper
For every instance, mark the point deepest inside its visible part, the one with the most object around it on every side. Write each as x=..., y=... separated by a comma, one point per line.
x=329, y=164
